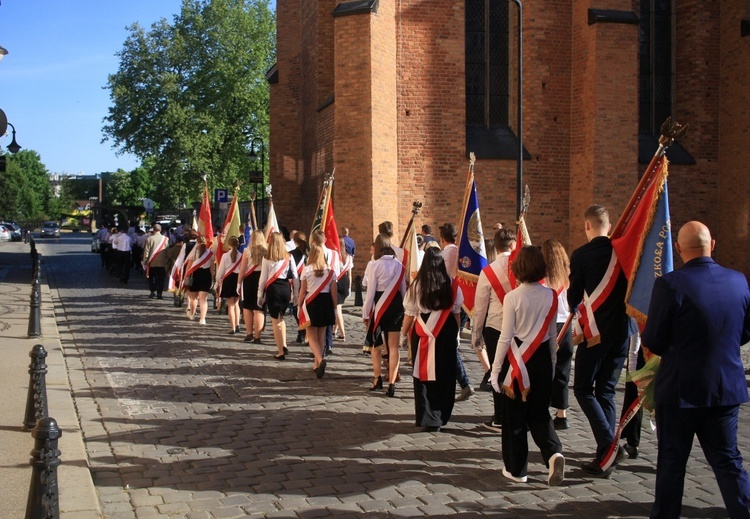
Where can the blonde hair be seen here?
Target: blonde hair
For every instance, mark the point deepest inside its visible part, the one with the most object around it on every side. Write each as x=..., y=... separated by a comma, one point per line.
x=317, y=259
x=257, y=248
x=200, y=246
x=277, y=248
x=558, y=264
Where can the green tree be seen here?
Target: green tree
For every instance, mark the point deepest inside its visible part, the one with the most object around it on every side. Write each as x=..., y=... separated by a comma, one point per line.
x=189, y=96
x=25, y=189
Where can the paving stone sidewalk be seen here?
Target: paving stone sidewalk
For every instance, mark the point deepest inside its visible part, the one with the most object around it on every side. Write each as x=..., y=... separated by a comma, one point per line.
x=183, y=420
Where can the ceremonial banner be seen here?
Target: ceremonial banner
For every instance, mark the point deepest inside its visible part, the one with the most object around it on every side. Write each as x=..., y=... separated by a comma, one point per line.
x=472, y=256
x=231, y=227
x=412, y=254
x=643, y=243
x=644, y=248
x=272, y=225
x=324, y=218
x=205, y=227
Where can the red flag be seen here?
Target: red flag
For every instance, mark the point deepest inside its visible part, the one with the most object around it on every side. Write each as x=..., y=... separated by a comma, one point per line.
x=522, y=238
x=205, y=227
x=329, y=228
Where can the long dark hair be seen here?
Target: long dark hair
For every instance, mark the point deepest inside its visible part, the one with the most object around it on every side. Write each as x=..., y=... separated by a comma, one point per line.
x=433, y=284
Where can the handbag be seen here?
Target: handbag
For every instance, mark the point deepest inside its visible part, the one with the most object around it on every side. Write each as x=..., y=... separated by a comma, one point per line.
x=188, y=281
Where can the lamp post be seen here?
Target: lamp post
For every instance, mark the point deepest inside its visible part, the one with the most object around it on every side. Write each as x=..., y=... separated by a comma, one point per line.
x=13, y=147
x=257, y=176
x=519, y=165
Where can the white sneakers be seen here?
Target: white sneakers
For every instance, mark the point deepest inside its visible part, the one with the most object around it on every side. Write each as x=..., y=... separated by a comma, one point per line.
x=556, y=469
x=555, y=476
x=516, y=479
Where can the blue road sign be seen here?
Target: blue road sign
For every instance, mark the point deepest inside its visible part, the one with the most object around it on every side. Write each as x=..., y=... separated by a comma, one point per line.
x=220, y=195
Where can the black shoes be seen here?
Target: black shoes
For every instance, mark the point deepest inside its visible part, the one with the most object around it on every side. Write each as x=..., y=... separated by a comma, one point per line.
x=280, y=357
x=159, y=296
x=632, y=451
x=377, y=384
x=431, y=429
x=560, y=423
x=321, y=369
x=249, y=338
x=151, y=295
x=286, y=350
x=592, y=468
x=391, y=391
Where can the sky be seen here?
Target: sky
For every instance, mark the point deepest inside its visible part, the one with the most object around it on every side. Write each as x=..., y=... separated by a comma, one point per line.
x=51, y=82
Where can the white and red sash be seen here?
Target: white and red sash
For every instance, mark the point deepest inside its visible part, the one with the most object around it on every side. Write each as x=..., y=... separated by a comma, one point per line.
x=518, y=355
x=175, y=277
x=199, y=263
x=301, y=265
x=391, y=288
x=231, y=269
x=346, y=267
x=162, y=245
x=303, y=314
x=501, y=285
x=584, y=324
x=280, y=268
x=424, y=363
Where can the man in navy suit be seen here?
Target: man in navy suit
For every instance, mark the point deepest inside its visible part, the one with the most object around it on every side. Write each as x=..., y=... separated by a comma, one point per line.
x=698, y=318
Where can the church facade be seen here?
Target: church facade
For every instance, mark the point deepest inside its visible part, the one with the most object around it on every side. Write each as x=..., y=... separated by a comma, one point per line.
x=395, y=94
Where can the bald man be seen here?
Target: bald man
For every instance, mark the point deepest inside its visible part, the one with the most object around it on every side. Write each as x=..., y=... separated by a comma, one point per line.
x=698, y=318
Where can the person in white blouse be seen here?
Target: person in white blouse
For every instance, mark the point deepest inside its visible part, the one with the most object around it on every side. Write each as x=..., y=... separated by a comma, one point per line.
x=523, y=368
x=383, y=310
x=249, y=277
x=226, y=279
x=343, y=287
x=317, y=302
x=432, y=307
x=278, y=271
x=558, y=272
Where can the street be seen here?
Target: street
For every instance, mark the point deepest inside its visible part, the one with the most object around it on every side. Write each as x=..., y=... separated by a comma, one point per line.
x=183, y=420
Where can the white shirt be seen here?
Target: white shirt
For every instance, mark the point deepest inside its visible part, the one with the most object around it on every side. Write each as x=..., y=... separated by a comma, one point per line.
x=488, y=310
x=379, y=275
x=450, y=257
x=124, y=243
x=267, y=268
x=524, y=309
x=413, y=307
x=225, y=264
x=313, y=281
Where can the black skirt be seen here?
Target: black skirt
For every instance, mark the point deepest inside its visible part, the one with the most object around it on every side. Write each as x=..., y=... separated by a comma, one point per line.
x=201, y=281
x=434, y=399
x=250, y=292
x=321, y=311
x=229, y=286
x=342, y=288
x=278, y=297
x=393, y=316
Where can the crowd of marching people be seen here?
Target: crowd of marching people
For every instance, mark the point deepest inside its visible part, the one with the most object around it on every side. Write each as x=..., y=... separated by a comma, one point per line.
x=519, y=325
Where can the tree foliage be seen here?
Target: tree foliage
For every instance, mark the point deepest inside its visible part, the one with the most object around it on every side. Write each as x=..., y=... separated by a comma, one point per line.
x=190, y=95
x=25, y=190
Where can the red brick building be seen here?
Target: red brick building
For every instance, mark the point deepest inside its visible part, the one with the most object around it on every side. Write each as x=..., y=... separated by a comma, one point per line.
x=394, y=94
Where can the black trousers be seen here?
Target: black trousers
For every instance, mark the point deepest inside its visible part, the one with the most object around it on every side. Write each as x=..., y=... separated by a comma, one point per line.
x=156, y=277
x=632, y=432
x=124, y=264
x=491, y=336
x=520, y=418
x=561, y=380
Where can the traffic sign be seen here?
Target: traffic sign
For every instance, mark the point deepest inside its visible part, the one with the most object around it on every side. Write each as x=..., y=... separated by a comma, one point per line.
x=220, y=195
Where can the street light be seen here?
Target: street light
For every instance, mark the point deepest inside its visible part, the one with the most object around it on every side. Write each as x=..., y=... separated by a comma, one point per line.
x=13, y=147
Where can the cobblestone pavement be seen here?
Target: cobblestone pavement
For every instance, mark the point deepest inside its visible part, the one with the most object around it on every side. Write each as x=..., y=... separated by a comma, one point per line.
x=189, y=421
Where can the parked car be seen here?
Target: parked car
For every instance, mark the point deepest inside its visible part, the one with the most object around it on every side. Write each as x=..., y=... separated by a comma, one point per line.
x=5, y=233
x=15, y=230
x=51, y=229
